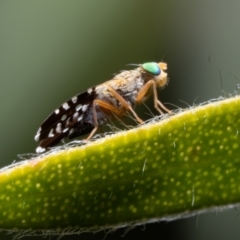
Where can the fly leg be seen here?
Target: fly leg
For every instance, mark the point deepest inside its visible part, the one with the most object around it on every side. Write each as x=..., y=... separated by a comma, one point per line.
x=124, y=103
x=157, y=104
x=105, y=105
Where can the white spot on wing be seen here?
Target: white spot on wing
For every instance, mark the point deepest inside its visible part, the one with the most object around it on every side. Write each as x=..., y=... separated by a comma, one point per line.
x=51, y=133
x=74, y=99
x=64, y=117
x=90, y=90
x=65, y=130
x=59, y=128
x=36, y=138
x=75, y=115
x=65, y=106
x=78, y=107
x=40, y=149
x=57, y=111
x=84, y=108
x=39, y=130
x=80, y=118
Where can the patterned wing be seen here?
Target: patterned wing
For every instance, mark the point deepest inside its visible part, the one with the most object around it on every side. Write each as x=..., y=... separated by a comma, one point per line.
x=65, y=120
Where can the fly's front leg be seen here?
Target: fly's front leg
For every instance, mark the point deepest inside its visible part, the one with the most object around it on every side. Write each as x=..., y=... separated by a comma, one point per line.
x=157, y=103
x=156, y=100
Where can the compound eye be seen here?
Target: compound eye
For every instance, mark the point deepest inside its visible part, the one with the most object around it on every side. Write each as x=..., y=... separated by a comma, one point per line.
x=152, y=68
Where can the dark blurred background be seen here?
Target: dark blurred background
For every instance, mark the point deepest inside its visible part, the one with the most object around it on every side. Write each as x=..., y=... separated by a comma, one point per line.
x=52, y=50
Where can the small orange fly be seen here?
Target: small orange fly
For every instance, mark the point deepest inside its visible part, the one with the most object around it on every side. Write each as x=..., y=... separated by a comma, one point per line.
x=85, y=112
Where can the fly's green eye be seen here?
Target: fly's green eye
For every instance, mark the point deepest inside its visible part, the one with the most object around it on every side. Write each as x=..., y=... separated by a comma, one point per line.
x=152, y=68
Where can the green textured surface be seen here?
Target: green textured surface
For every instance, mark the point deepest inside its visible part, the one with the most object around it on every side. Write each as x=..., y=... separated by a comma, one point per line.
x=188, y=162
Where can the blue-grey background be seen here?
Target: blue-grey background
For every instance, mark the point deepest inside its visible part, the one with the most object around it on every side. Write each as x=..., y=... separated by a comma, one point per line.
x=52, y=50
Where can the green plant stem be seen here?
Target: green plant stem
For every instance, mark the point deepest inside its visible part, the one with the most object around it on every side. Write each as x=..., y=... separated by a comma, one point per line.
x=182, y=164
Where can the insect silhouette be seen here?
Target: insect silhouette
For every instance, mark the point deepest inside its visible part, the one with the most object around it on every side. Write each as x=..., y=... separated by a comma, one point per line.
x=85, y=112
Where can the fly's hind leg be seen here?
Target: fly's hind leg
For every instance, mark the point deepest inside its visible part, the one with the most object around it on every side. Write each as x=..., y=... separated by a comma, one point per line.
x=157, y=104
x=112, y=109
x=101, y=104
x=124, y=103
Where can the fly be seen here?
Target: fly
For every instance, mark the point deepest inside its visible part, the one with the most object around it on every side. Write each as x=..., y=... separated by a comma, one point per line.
x=85, y=112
